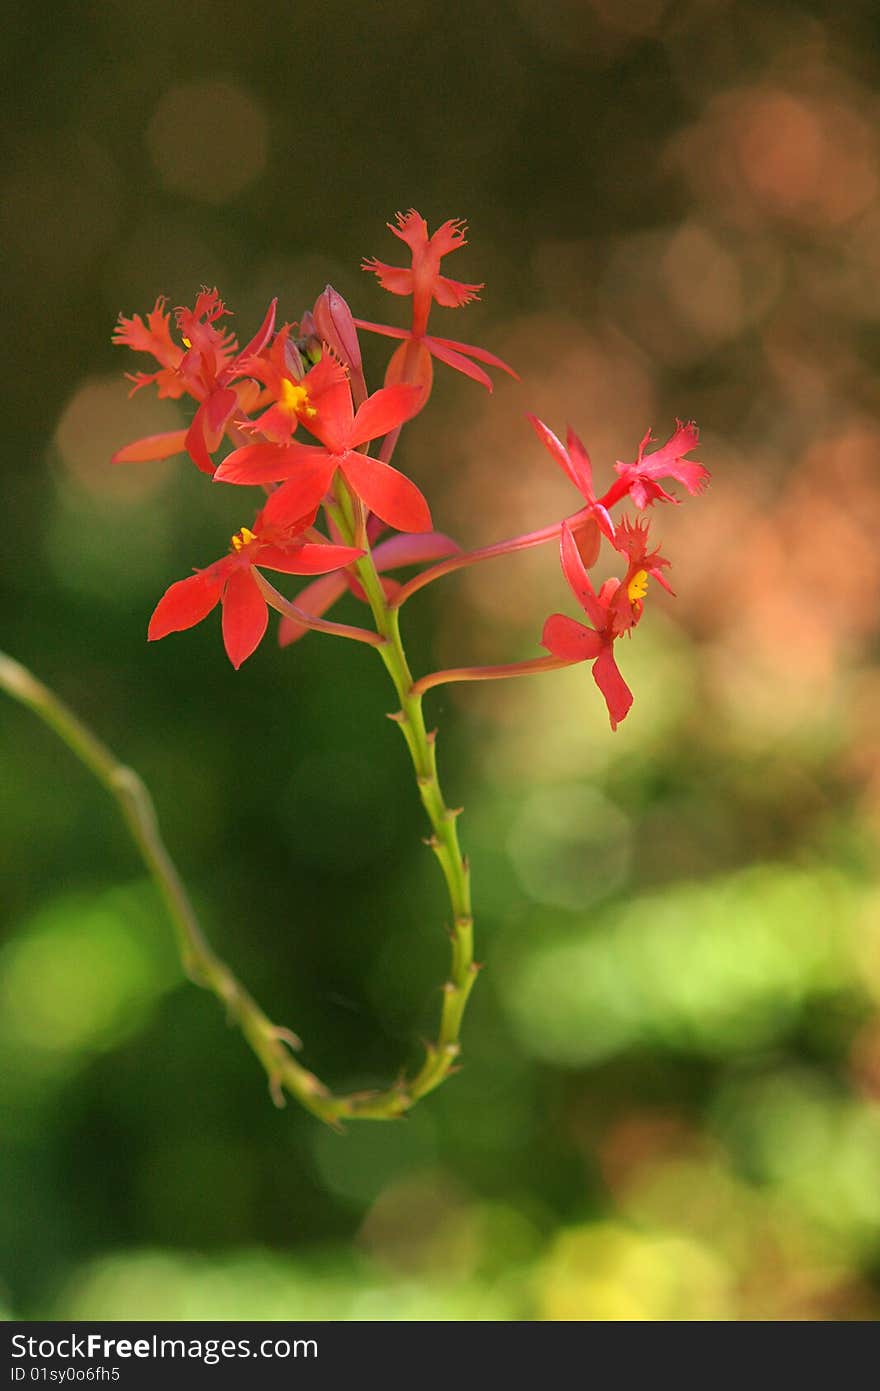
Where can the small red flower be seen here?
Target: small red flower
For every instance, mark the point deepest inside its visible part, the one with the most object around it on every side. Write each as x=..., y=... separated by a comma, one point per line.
x=322, y=402
x=230, y=582
x=206, y=367
x=616, y=608
x=641, y=480
x=412, y=360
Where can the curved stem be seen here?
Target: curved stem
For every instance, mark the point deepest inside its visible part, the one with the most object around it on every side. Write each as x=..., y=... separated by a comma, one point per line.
x=444, y=841
x=490, y=673
x=465, y=558
x=269, y=1042
x=320, y=625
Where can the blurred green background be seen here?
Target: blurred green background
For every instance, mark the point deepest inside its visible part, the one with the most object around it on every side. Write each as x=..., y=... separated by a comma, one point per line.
x=669, y=1103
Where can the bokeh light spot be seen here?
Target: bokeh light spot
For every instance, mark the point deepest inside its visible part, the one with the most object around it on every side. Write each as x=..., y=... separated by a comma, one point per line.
x=209, y=140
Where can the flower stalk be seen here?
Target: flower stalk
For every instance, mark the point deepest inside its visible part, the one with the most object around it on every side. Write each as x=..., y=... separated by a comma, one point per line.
x=258, y=400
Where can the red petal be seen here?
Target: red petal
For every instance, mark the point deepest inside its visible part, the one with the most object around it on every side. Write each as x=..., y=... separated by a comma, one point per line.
x=449, y=237
x=195, y=441
x=394, y=278
x=260, y=338
x=245, y=616
x=582, y=469
x=302, y=494
x=411, y=228
x=269, y=463
x=481, y=354
x=462, y=364
x=452, y=294
x=570, y=640
x=618, y=696
x=387, y=408
x=151, y=447
x=576, y=574
x=307, y=559
x=411, y=363
x=314, y=600
x=184, y=605
x=587, y=539
x=388, y=493
x=554, y=446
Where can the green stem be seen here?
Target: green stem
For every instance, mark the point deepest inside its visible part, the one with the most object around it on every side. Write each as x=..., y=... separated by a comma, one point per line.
x=444, y=842
x=270, y=1042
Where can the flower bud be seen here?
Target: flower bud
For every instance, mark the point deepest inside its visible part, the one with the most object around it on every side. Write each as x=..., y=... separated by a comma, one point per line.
x=334, y=325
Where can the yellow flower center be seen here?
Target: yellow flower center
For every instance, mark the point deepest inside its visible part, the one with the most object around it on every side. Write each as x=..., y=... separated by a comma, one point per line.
x=187, y=342
x=638, y=586
x=242, y=538
x=295, y=399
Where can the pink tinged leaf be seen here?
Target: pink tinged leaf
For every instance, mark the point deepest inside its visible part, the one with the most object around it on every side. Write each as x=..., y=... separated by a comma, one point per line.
x=302, y=493
x=413, y=550
x=387, y=408
x=151, y=447
x=307, y=559
x=579, y=581
x=386, y=492
x=184, y=605
x=481, y=354
x=394, y=278
x=571, y=641
x=452, y=294
x=314, y=600
x=459, y=362
x=618, y=696
x=245, y=616
x=270, y=463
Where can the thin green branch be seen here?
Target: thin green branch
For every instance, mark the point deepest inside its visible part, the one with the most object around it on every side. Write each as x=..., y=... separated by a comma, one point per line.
x=270, y=1042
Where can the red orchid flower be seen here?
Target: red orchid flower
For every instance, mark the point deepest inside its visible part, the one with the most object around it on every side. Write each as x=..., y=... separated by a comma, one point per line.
x=393, y=554
x=412, y=360
x=206, y=367
x=641, y=480
x=230, y=582
x=322, y=402
x=574, y=460
x=616, y=608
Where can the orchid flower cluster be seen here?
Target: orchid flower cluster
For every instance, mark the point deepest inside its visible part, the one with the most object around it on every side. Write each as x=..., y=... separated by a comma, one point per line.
x=290, y=414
